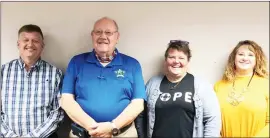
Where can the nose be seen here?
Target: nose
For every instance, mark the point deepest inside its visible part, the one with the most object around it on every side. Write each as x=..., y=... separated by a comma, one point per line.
x=245, y=57
x=103, y=35
x=177, y=60
x=30, y=43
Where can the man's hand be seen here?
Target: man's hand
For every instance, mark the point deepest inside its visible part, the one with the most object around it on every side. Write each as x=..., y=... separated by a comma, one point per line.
x=91, y=128
x=102, y=129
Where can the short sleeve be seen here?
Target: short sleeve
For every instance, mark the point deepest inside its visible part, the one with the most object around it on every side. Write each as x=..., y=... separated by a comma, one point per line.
x=138, y=85
x=70, y=78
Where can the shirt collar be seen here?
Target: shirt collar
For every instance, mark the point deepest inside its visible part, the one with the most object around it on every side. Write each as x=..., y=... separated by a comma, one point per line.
x=117, y=60
x=36, y=65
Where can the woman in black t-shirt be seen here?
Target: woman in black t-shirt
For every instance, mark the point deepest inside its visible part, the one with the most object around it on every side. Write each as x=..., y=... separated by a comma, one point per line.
x=179, y=104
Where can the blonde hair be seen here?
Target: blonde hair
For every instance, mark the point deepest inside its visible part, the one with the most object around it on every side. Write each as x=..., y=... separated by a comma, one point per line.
x=260, y=68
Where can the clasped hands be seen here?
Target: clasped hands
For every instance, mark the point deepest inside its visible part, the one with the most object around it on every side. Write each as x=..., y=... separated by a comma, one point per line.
x=102, y=130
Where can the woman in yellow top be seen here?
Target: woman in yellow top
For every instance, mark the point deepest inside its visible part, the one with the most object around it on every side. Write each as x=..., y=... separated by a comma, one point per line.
x=243, y=92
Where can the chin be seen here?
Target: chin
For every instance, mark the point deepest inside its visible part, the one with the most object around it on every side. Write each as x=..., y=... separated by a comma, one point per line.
x=103, y=49
x=29, y=55
x=175, y=73
x=244, y=68
x=103, y=45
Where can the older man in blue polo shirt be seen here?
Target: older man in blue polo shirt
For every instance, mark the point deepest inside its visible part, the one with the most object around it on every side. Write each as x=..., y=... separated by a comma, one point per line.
x=103, y=90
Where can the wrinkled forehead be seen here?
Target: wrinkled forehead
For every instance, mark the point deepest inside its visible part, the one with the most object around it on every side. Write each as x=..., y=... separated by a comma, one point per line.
x=105, y=24
x=36, y=35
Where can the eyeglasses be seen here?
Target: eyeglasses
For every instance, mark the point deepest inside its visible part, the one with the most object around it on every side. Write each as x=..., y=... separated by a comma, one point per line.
x=180, y=42
x=107, y=33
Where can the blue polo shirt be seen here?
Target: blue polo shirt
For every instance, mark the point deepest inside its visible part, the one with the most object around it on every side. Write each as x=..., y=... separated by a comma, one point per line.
x=104, y=92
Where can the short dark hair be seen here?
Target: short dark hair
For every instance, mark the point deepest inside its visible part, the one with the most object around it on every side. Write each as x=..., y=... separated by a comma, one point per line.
x=179, y=45
x=30, y=28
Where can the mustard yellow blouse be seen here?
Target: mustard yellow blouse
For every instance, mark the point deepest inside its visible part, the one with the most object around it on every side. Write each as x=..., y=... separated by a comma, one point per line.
x=249, y=118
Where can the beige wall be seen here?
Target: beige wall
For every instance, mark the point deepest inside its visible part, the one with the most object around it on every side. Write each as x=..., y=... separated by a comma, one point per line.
x=213, y=29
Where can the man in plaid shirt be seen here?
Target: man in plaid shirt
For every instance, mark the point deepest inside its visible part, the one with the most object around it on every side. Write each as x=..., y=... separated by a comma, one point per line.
x=30, y=90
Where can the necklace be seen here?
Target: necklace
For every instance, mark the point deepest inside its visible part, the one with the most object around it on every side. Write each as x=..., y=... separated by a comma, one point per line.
x=234, y=98
x=174, y=86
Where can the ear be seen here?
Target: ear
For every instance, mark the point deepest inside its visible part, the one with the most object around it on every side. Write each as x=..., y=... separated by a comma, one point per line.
x=91, y=33
x=165, y=70
x=43, y=45
x=118, y=37
x=18, y=43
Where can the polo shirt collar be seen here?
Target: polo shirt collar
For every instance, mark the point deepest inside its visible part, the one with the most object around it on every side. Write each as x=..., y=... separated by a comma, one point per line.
x=117, y=60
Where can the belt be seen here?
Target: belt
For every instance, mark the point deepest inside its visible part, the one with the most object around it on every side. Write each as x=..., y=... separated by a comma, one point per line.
x=75, y=129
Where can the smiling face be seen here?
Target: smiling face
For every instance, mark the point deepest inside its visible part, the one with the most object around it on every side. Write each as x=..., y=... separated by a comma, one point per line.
x=105, y=36
x=176, y=62
x=245, y=59
x=30, y=45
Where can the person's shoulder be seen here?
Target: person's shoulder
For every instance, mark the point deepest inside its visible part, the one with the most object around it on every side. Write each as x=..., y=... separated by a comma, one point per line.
x=51, y=66
x=128, y=59
x=262, y=79
x=199, y=80
x=10, y=63
x=81, y=56
x=155, y=78
x=220, y=83
x=153, y=83
x=262, y=83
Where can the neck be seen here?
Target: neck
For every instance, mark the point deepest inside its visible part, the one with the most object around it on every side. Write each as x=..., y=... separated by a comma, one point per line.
x=173, y=78
x=105, y=54
x=243, y=73
x=29, y=62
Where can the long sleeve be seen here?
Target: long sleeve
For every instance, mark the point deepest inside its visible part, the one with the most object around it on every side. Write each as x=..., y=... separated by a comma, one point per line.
x=265, y=131
x=56, y=115
x=211, y=112
x=50, y=124
x=6, y=131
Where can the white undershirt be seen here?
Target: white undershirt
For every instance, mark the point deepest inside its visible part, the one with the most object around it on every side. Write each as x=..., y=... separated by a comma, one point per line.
x=104, y=64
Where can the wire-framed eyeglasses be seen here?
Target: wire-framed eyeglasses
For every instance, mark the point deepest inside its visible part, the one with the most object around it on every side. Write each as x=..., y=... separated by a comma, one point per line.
x=107, y=33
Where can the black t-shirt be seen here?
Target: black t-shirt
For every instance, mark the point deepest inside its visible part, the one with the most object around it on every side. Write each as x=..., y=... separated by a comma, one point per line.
x=174, y=109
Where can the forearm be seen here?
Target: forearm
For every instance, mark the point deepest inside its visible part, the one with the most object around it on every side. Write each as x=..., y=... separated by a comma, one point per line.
x=6, y=132
x=48, y=126
x=76, y=113
x=130, y=113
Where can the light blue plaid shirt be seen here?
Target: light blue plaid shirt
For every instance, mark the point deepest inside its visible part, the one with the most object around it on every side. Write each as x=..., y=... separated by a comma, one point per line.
x=30, y=100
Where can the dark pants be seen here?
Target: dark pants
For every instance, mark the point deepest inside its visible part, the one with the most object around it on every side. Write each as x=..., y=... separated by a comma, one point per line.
x=53, y=135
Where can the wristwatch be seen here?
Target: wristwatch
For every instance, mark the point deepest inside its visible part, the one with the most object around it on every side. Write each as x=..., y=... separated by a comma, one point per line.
x=115, y=130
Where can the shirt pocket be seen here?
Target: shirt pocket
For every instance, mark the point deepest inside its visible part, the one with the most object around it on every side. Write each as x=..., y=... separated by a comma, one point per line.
x=44, y=93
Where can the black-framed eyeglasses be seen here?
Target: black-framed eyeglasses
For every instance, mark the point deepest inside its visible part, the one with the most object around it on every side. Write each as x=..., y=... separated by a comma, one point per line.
x=107, y=33
x=180, y=42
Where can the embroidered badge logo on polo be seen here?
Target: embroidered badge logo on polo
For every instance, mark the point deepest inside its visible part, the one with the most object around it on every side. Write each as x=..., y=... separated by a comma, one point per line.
x=120, y=73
